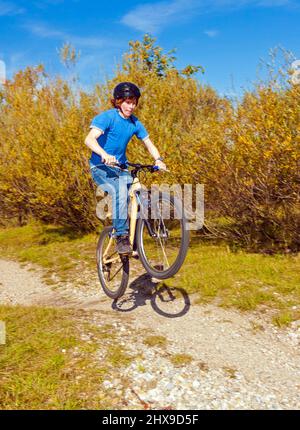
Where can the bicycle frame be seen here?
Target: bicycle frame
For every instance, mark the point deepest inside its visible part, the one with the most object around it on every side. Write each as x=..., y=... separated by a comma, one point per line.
x=164, y=241
x=135, y=186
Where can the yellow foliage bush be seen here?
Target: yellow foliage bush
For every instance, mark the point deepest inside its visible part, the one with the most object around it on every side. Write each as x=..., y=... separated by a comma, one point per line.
x=262, y=191
x=247, y=154
x=44, y=170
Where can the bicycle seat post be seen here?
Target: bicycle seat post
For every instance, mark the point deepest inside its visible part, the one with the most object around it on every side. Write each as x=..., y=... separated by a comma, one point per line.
x=136, y=186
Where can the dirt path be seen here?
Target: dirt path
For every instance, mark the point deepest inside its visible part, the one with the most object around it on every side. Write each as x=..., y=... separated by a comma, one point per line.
x=241, y=352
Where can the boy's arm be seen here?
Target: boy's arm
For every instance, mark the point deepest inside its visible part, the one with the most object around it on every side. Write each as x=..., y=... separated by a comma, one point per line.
x=91, y=142
x=154, y=152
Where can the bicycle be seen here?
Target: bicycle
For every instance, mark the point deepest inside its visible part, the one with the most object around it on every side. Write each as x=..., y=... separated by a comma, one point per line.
x=161, y=242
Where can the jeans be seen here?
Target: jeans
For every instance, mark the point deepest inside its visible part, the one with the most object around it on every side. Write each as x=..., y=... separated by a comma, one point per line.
x=117, y=183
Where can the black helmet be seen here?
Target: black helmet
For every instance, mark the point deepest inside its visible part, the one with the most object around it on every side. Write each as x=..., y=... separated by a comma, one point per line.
x=126, y=89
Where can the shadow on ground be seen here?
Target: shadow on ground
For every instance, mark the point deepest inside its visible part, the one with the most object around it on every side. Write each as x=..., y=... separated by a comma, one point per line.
x=169, y=302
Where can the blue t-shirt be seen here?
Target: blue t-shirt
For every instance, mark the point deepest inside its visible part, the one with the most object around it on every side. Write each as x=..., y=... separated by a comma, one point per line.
x=117, y=133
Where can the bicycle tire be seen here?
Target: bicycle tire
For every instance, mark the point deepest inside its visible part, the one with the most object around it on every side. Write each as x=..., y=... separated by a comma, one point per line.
x=124, y=266
x=174, y=268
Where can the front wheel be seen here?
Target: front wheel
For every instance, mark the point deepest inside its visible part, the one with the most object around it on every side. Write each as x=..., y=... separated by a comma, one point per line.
x=113, y=270
x=163, y=238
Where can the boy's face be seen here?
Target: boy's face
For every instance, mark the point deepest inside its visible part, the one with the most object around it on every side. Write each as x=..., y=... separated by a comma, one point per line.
x=128, y=106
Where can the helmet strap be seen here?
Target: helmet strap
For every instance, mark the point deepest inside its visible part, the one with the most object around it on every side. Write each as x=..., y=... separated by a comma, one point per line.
x=119, y=107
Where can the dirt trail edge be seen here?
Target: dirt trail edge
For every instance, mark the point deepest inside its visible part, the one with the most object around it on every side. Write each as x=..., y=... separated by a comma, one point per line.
x=239, y=359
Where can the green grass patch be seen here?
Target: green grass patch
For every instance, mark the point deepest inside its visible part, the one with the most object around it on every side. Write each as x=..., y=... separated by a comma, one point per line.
x=155, y=341
x=214, y=272
x=282, y=319
x=46, y=364
x=239, y=279
x=180, y=360
x=58, y=250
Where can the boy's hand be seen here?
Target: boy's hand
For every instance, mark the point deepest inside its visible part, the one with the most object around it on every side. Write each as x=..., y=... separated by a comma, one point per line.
x=109, y=159
x=161, y=165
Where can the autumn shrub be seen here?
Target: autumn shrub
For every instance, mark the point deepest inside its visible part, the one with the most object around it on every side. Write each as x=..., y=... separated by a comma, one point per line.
x=261, y=188
x=44, y=172
x=245, y=153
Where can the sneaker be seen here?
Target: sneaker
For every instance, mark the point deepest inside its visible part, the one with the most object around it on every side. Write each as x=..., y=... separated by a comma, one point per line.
x=123, y=245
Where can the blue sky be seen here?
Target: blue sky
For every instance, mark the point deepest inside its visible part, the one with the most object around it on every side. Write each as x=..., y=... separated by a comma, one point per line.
x=226, y=37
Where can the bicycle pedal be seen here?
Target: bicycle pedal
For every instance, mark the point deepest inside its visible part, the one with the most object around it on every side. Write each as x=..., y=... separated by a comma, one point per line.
x=135, y=255
x=125, y=253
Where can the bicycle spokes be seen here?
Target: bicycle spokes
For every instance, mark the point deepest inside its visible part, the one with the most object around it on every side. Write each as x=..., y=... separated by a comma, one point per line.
x=109, y=274
x=162, y=245
x=112, y=269
x=161, y=236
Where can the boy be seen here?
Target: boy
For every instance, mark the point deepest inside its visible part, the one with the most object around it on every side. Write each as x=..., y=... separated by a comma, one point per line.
x=108, y=138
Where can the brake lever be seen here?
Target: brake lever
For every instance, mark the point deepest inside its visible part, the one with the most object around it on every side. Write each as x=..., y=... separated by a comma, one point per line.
x=155, y=168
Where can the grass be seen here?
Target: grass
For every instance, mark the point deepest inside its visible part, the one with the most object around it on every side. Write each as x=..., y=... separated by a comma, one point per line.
x=283, y=319
x=153, y=341
x=231, y=372
x=214, y=273
x=246, y=281
x=48, y=361
x=256, y=327
x=180, y=360
x=63, y=254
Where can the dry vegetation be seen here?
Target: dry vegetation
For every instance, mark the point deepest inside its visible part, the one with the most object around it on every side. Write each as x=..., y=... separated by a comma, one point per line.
x=246, y=153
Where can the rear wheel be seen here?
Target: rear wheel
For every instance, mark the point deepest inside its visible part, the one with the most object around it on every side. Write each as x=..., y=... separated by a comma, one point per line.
x=113, y=270
x=163, y=239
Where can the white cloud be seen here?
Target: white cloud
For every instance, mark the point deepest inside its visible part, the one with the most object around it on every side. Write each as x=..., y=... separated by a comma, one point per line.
x=16, y=61
x=211, y=33
x=92, y=42
x=42, y=30
x=152, y=17
x=8, y=8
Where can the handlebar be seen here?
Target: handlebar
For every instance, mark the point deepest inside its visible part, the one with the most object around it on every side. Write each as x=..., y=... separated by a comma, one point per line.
x=137, y=166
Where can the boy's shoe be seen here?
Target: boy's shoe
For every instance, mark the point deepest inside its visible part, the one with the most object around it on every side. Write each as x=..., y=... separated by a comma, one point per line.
x=123, y=245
